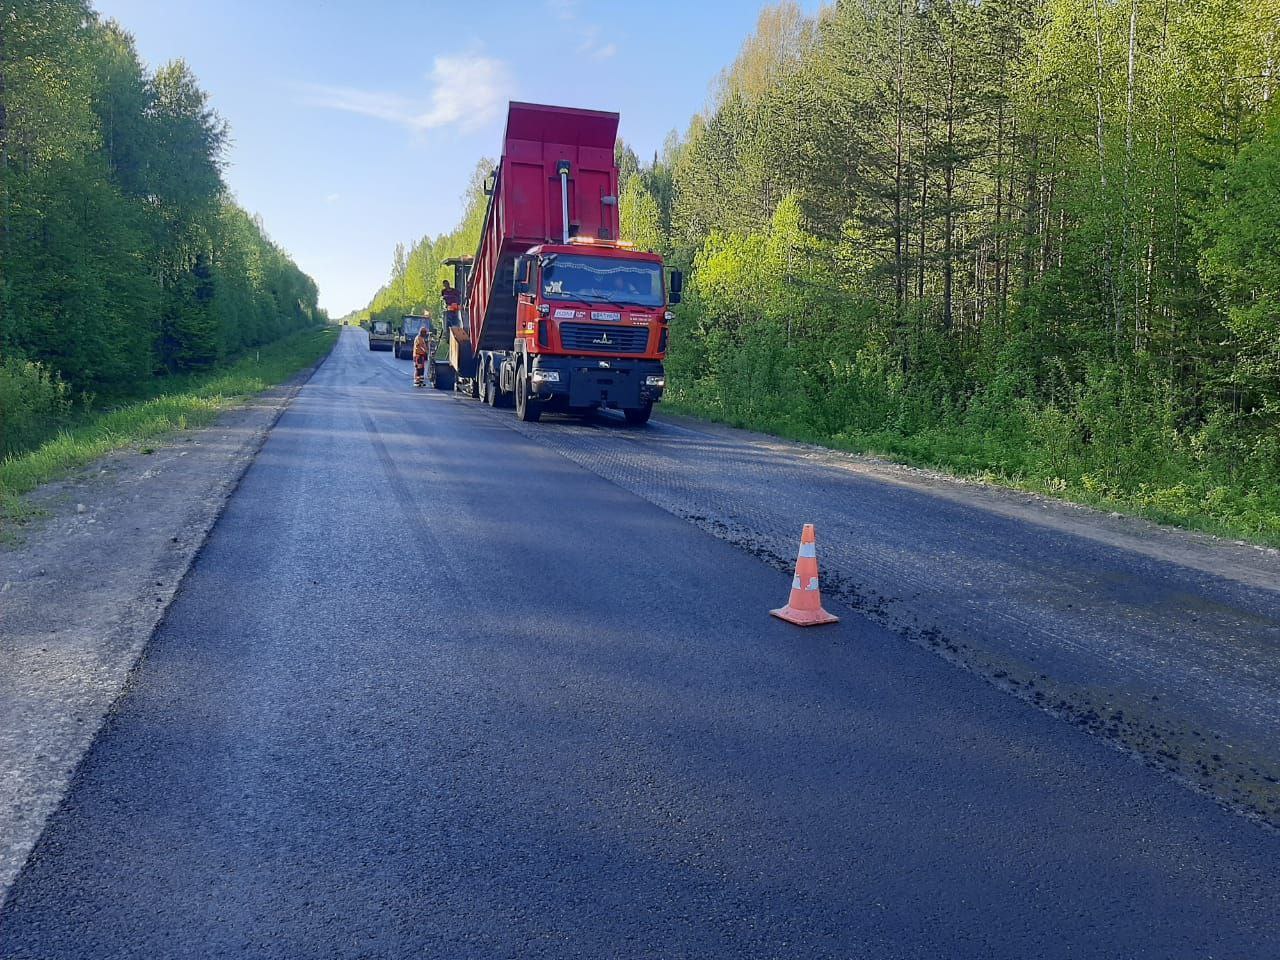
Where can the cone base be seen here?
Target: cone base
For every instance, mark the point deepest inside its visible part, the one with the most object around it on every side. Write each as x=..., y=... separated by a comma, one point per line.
x=804, y=618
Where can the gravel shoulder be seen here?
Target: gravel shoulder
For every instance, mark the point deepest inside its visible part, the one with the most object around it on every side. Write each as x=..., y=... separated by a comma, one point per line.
x=83, y=587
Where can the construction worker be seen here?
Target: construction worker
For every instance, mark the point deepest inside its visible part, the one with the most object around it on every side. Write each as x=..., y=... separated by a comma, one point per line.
x=420, y=351
x=452, y=304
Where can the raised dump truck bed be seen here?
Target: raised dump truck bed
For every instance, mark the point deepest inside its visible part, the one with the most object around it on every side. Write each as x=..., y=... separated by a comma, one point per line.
x=526, y=204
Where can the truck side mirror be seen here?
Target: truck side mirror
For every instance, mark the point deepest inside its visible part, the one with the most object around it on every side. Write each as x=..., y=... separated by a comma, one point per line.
x=677, y=286
x=519, y=277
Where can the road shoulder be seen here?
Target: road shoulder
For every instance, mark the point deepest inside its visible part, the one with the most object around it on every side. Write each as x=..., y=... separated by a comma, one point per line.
x=1247, y=563
x=85, y=585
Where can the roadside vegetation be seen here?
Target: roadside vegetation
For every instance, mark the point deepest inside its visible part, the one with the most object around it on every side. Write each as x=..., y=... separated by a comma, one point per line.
x=127, y=272
x=179, y=402
x=1036, y=241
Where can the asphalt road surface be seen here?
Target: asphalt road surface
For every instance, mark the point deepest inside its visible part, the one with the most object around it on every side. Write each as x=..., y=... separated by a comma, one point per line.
x=442, y=687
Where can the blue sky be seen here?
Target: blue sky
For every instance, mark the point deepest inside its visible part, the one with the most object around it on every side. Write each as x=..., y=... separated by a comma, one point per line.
x=356, y=125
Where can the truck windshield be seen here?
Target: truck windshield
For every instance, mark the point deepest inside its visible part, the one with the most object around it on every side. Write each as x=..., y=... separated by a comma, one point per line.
x=603, y=279
x=381, y=326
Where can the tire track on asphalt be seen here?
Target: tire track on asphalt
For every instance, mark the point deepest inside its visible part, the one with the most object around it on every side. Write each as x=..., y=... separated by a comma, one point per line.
x=430, y=548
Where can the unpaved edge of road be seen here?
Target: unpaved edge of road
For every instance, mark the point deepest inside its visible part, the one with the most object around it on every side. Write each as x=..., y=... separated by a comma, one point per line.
x=1249, y=563
x=85, y=586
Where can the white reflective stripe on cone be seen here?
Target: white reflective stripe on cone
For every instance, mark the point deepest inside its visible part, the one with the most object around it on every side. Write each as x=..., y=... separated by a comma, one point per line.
x=808, y=550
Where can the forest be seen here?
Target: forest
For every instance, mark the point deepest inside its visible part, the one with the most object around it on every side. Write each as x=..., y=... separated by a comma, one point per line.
x=1036, y=241
x=123, y=257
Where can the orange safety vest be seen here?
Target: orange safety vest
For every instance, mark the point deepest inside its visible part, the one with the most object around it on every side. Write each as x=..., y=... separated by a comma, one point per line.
x=420, y=347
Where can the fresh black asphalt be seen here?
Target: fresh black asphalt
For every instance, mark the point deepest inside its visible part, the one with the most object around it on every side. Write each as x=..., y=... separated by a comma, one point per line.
x=433, y=689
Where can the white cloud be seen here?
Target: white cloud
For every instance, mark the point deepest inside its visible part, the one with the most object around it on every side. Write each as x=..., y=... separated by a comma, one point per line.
x=467, y=91
x=332, y=197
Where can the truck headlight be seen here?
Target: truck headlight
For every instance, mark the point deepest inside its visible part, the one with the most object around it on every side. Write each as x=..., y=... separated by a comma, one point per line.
x=546, y=376
x=655, y=381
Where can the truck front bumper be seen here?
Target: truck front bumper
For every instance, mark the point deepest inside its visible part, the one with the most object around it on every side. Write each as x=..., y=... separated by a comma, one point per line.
x=616, y=383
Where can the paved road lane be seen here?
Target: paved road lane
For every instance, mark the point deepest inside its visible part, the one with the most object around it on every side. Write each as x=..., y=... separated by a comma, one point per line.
x=434, y=689
x=1164, y=643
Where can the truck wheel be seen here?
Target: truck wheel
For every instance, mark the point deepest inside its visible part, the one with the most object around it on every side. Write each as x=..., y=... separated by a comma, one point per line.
x=370, y=345
x=492, y=388
x=528, y=410
x=638, y=416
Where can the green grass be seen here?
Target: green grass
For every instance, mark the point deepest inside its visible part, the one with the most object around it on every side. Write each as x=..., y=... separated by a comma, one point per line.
x=180, y=403
x=1170, y=491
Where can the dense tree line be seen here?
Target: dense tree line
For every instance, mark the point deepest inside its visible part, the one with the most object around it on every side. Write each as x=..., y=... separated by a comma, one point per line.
x=122, y=256
x=1039, y=237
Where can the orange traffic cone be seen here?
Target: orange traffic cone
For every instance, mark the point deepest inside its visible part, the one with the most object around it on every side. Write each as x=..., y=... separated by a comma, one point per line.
x=804, y=609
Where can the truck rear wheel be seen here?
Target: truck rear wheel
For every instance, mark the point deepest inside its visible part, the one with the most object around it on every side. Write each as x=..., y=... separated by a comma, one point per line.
x=492, y=387
x=493, y=392
x=528, y=410
x=638, y=416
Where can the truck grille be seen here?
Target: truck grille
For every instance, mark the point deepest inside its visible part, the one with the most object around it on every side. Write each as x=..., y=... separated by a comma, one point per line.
x=587, y=336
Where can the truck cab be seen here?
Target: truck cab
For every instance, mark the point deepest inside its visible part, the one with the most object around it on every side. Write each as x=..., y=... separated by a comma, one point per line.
x=407, y=332
x=591, y=328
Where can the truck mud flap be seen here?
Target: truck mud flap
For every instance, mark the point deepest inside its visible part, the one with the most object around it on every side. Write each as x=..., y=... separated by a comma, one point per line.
x=592, y=386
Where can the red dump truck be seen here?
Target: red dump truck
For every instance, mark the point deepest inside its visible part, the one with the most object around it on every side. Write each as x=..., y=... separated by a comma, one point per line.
x=558, y=312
